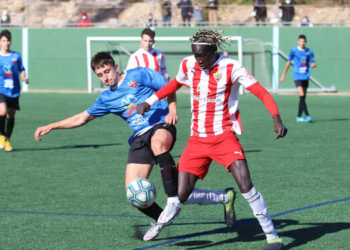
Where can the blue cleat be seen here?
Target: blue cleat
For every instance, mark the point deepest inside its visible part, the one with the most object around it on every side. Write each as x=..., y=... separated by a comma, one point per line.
x=308, y=118
x=300, y=119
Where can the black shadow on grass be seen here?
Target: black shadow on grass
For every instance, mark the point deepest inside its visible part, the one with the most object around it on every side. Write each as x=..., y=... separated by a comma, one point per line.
x=331, y=120
x=251, y=231
x=68, y=147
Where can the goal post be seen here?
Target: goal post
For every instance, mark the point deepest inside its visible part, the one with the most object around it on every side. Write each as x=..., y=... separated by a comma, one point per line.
x=175, y=49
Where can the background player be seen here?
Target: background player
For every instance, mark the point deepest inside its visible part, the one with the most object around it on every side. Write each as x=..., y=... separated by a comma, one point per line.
x=147, y=56
x=10, y=68
x=153, y=135
x=214, y=81
x=302, y=58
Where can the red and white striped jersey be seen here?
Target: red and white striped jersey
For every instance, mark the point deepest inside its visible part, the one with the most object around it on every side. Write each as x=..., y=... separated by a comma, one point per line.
x=214, y=94
x=153, y=59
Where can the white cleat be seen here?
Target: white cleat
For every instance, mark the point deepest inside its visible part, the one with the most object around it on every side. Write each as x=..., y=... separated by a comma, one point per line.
x=153, y=231
x=171, y=210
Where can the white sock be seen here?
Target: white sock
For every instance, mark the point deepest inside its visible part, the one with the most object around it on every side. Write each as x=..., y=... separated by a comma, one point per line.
x=258, y=205
x=174, y=199
x=206, y=197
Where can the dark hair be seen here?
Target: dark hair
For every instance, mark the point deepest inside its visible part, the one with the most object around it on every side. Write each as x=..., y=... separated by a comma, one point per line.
x=148, y=32
x=211, y=37
x=302, y=37
x=6, y=34
x=101, y=58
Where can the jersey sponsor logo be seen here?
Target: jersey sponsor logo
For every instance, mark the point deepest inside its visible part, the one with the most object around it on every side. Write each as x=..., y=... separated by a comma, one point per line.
x=303, y=63
x=217, y=76
x=128, y=101
x=132, y=84
x=205, y=99
x=14, y=60
x=131, y=110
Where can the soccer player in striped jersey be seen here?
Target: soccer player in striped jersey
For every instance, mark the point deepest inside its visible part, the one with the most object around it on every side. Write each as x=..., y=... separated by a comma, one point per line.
x=214, y=81
x=147, y=56
x=302, y=58
x=10, y=68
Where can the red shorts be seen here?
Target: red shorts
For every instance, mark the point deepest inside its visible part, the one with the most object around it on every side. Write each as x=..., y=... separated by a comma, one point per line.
x=225, y=149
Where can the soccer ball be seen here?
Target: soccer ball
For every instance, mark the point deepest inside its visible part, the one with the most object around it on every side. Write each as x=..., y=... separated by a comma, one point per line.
x=141, y=193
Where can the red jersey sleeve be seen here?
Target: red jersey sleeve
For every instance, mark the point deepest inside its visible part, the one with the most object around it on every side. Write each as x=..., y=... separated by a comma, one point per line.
x=260, y=92
x=168, y=89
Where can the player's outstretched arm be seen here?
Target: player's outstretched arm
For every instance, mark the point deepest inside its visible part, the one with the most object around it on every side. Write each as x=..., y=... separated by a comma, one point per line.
x=285, y=72
x=280, y=129
x=71, y=122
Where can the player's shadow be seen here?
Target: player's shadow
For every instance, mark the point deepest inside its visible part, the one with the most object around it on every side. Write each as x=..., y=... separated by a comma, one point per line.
x=331, y=120
x=249, y=230
x=68, y=147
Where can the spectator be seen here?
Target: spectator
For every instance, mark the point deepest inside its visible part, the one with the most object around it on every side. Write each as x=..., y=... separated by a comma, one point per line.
x=166, y=12
x=287, y=12
x=260, y=11
x=213, y=12
x=5, y=19
x=186, y=11
x=198, y=14
x=225, y=53
x=150, y=21
x=84, y=21
x=306, y=22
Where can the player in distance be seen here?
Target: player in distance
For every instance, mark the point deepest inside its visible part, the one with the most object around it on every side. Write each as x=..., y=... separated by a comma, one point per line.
x=302, y=58
x=147, y=56
x=214, y=81
x=11, y=67
x=153, y=135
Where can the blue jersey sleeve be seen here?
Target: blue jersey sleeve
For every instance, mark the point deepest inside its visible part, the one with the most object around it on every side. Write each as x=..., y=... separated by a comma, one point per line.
x=291, y=55
x=152, y=79
x=312, y=57
x=20, y=63
x=99, y=108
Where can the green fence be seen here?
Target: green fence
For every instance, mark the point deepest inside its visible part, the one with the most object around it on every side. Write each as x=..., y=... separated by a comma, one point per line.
x=57, y=57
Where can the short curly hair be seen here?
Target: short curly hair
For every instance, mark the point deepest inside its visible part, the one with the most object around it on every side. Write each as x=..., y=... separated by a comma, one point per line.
x=210, y=37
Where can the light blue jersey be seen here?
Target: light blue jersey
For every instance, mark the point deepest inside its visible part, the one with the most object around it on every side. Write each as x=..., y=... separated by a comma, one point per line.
x=135, y=88
x=10, y=67
x=301, y=60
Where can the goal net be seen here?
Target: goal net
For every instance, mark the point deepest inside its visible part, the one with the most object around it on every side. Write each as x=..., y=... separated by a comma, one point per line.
x=175, y=49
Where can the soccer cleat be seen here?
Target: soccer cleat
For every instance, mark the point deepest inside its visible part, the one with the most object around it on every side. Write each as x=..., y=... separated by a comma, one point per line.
x=230, y=215
x=308, y=118
x=276, y=244
x=2, y=141
x=300, y=119
x=8, y=146
x=171, y=210
x=153, y=231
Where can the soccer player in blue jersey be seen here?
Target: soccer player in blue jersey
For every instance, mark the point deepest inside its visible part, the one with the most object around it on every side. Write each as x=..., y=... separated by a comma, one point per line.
x=153, y=135
x=303, y=58
x=10, y=68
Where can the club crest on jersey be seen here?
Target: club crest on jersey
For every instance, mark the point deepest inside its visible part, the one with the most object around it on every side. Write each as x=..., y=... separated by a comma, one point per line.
x=217, y=76
x=14, y=60
x=132, y=84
